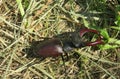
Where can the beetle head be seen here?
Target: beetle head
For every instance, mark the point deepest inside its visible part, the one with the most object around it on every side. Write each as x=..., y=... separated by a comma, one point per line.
x=77, y=41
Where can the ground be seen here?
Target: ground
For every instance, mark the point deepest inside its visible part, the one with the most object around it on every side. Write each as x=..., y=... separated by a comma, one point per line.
x=25, y=21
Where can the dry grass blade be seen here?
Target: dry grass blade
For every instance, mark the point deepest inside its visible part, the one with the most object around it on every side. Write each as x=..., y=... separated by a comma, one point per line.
x=96, y=58
x=25, y=66
x=23, y=22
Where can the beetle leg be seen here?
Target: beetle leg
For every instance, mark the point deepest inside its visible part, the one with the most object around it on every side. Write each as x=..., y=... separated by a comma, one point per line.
x=67, y=57
x=63, y=62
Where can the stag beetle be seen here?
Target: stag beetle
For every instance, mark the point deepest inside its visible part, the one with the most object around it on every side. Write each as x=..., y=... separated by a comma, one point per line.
x=56, y=47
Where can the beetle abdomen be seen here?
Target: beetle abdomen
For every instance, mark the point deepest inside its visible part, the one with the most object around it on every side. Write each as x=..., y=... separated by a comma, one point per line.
x=51, y=48
x=50, y=51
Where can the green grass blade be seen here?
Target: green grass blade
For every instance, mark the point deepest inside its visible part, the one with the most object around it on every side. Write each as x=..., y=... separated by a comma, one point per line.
x=20, y=6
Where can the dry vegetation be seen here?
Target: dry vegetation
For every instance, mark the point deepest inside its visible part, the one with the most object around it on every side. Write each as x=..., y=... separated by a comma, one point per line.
x=33, y=19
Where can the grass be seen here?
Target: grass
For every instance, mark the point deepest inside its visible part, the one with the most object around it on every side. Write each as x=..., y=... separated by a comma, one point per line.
x=25, y=21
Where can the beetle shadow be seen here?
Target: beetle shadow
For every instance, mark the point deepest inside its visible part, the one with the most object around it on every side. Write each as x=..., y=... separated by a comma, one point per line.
x=32, y=49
